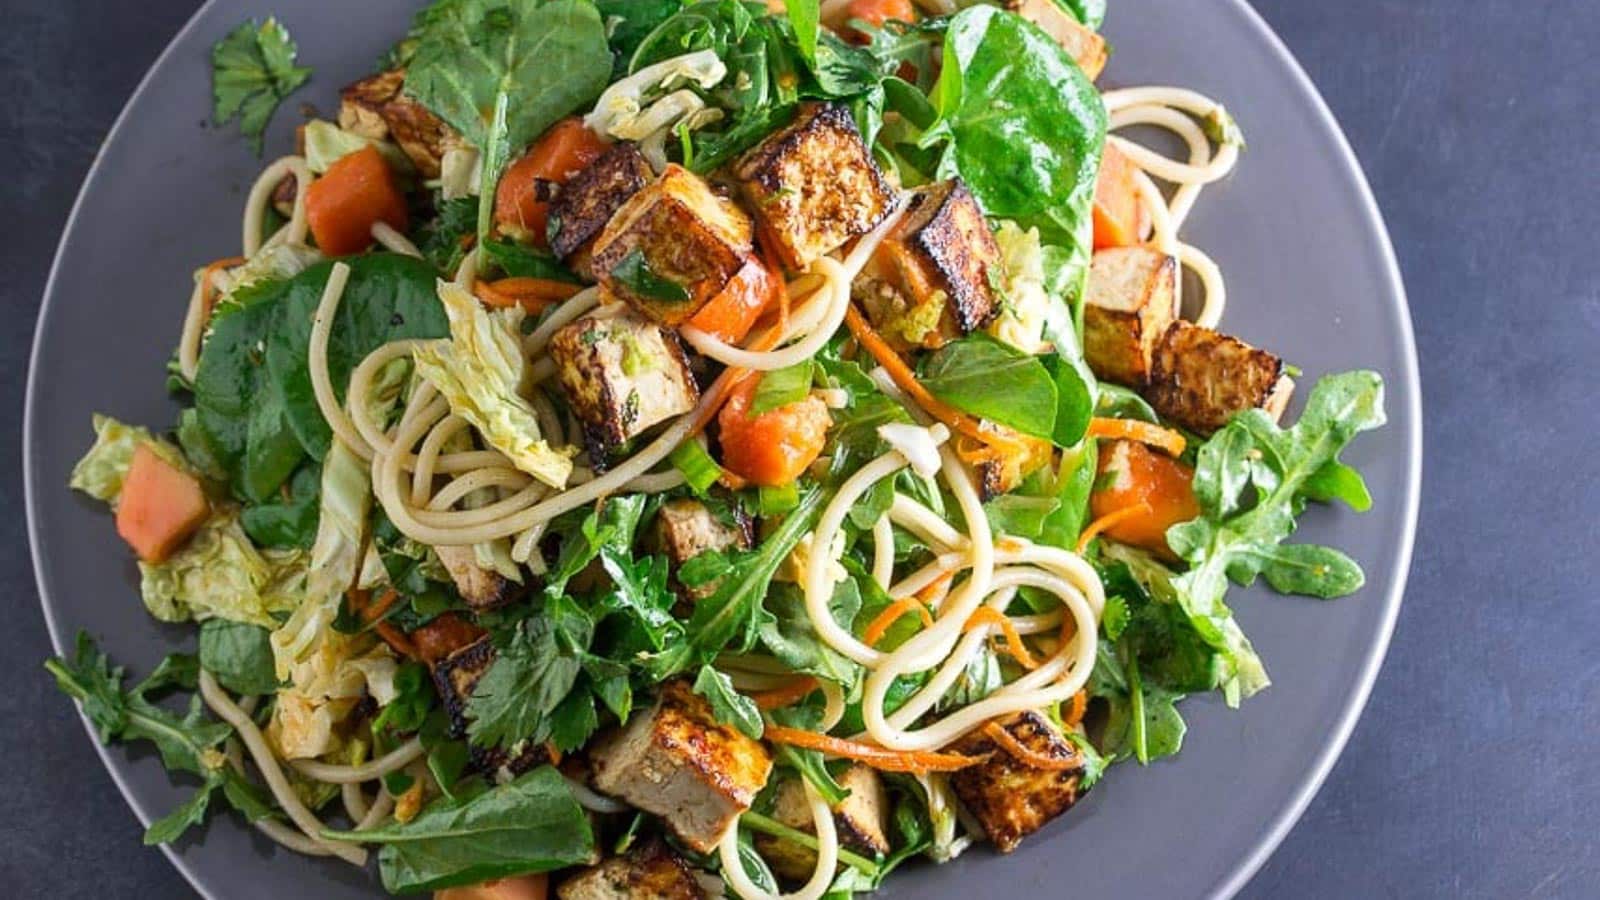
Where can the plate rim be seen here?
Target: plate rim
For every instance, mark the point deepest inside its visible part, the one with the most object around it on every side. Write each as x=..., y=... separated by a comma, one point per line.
x=1316, y=774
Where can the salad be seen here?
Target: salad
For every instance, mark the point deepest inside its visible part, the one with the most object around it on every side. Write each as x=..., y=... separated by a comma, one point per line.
x=677, y=449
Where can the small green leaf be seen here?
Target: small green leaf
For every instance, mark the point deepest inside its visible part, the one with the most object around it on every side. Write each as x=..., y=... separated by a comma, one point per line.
x=782, y=387
x=635, y=274
x=727, y=704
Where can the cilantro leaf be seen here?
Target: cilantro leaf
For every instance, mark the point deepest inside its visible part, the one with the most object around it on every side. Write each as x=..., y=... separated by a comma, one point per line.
x=252, y=71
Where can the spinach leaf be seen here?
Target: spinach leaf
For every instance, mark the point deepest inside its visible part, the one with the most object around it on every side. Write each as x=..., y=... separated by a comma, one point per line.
x=728, y=705
x=290, y=519
x=994, y=381
x=239, y=655
x=388, y=297
x=240, y=407
x=1021, y=125
x=531, y=824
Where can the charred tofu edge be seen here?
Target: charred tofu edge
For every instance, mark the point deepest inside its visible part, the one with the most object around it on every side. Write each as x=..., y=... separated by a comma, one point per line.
x=649, y=869
x=587, y=202
x=580, y=366
x=1130, y=302
x=1199, y=378
x=953, y=236
x=791, y=230
x=376, y=107
x=1009, y=798
x=480, y=587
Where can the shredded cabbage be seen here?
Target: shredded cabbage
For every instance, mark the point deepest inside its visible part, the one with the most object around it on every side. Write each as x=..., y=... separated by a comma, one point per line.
x=480, y=371
x=621, y=112
x=100, y=472
x=1026, y=309
x=219, y=573
x=327, y=142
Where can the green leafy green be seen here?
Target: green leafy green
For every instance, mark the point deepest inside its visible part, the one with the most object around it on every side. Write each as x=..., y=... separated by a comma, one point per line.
x=532, y=674
x=634, y=273
x=288, y=521
x=1021, y=125
x=443, y=239
x=531, y=824
x=728, y=705
x=699, y=470
x=782, y=387
x=518, y=261
x=252, y=71
x=239, y=655
x=995, y=381
x=484, y=67
x=187, y=743
x=1090, y=12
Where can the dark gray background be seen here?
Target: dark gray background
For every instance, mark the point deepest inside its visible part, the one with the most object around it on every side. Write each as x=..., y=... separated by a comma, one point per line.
x=1473, y=772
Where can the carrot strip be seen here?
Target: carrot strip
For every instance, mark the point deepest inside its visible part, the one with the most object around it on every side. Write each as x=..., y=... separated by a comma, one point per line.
x=1134, y=430
x=207, y=295
x=378, y=609
x=988, y=615
x=1109, y=520
x=1026, y=755
x=553, y=752
x=874, y=756
x=396, y=639
x=788, y=695
x=1074, y=713
x=906, y=380
x=532, y=294
x=891, y=614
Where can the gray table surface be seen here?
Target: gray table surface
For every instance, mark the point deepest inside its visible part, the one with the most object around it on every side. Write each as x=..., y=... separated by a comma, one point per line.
x=1474, y=771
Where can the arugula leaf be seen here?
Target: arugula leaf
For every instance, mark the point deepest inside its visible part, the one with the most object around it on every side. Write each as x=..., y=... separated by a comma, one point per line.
x=629, y=22
x=239, y=655
x=252, y=71
x=728, y=705
x=788, y=634
x=443, y=239
x=186, y=743
x=531, y=824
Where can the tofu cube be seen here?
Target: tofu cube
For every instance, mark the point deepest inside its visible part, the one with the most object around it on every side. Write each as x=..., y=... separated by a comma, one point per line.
x=454, y=677
x=678, y=762
x=621, y=376
x=1008, y=797
x=929, y=282
x=587, y=202
x=813, y=185
x=479, y=586
x=1086, y=48
x=648, y=871
x=859, y=819
x=672, y=247
x=686, y=528
x=377, y=108
x=1131, y=299
x=1200, y=378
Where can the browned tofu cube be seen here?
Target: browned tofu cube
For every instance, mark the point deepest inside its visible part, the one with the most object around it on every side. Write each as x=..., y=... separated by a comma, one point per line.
x=1086, y=48
x=648, y=871
x=1132, y=298
x=813, y=185
x=587, y=202
x=1008, y=797
x=376, y=108
x=1200, y=378
x=686, y=528
x=621, y=375
x=454, y=677
x=1001, y=471
x=678, y=762
x=929, y=282
x=481, y=587
x=672, y=247
x=859, y=819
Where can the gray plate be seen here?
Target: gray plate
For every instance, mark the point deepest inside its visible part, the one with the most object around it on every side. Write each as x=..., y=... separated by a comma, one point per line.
x=1311, y=273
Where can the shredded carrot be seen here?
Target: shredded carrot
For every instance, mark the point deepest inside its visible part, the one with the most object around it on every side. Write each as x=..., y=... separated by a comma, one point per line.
x=1074, y=713
x=871, y=754
x=378, y=609
x=788, y=695
x=1026, y=755
x=937, y=589
x=1109, y=520
x=553, y=752
x=1134, y=430
x=207, y=295
x=988, y=615
x=891, y=614
x=395, y=638
x=906, y=380
x=532, y=294
x=767, y=341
